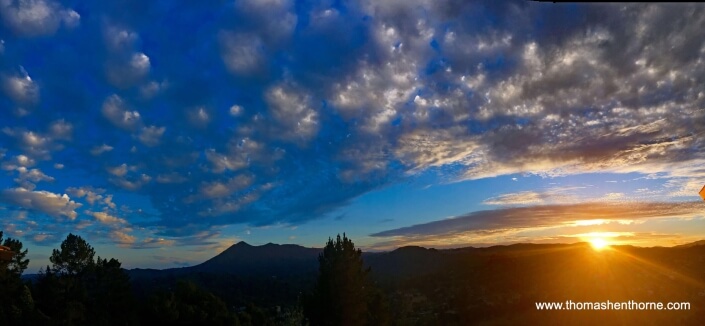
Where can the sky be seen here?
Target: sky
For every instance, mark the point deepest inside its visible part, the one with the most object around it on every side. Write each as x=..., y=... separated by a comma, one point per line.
x=163, y=132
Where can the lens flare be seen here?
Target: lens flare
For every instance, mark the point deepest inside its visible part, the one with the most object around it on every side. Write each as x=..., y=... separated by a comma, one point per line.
x=599, y=243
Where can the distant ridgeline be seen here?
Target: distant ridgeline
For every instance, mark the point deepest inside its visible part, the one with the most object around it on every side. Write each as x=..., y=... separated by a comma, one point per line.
x=466, y=285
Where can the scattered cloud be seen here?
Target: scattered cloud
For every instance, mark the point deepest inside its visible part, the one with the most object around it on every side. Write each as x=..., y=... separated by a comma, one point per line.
x=279, y=112
x=52, y=204
x=97, y=150
x=36, y=17
x=151, y=136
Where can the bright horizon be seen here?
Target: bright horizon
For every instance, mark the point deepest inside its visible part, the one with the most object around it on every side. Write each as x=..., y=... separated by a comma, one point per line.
x=166, y=134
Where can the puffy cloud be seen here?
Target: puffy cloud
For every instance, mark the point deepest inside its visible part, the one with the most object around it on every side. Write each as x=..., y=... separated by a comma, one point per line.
x=124, y=71
x=151, y=136
x=292, y=108
x=199, y=117
x=222, y=162
x=122, y=237
x=118, y=171
x=92, y=195
x=236, y=110
x=18, y=161
x=107, y=219
x=116, y=111
x=31, y=175
x=242, y=54
x=274, y=18
x=21, y=88
x=34, y=145
x=97, y=150
x=132, y=183
x=218, y=190
x=61, y=129
x=41, y=201
x=171, y=178
x=126, y=65
x=36, y=17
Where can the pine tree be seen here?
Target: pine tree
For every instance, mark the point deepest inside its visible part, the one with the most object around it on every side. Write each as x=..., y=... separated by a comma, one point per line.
x=79, y=290
x=343, y=294
x=75, y=256
x=19, y=263
x=16, y=302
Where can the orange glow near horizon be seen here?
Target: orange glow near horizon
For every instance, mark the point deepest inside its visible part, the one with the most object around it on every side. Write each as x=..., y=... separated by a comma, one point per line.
x=599, y=244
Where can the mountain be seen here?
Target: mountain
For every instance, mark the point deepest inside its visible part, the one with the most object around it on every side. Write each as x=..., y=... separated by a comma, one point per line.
x=289, y=260
x=466, y=285
x=692, y=244
x=267, y=260
x=406, y=261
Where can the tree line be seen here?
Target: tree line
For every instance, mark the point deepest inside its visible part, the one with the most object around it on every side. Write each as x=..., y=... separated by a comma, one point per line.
x=78, y=288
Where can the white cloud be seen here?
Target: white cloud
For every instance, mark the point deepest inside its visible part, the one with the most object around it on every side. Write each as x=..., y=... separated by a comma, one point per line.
x=152, y=88
x=421, y=149
x=236, y=110
x=276, y=19
x=116, y=111
x=61, y=129
x=36, y=17
x=221, y=162
x=119, y=39
x=21, y=88
x=151, y=136
x=171, y=178
x=241, y=53
x=97, y=150
x=126, y=65
x=34, y=145
x=118, y=171
x=218, y=189
x=41, y=201
x=122, y=238
x=91, y=194
x=292, y=108
x=18, y=161
x=199, y=117
x=107, y=219
x=131, y=184
x=33, y=175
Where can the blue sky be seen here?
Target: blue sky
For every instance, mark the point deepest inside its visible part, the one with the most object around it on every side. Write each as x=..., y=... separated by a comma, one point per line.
x=164, y=132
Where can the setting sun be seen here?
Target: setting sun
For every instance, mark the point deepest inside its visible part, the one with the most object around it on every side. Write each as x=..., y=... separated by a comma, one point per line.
x=599, y=243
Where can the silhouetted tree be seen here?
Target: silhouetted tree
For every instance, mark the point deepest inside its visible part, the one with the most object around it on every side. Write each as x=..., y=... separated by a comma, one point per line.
x=19, y=263
x=75, y=256
x=343, y=294
x=16, y=301
x=111, y=298
x=78, y=290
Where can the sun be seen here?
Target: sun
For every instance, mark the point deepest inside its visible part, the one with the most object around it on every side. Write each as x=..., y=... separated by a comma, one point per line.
x=599, y=243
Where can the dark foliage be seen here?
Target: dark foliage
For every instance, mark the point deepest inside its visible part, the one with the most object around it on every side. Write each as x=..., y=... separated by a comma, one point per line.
x=343, y=294
x=78, y=290
x=16, y=302
x=187, y=304
x=409, y=286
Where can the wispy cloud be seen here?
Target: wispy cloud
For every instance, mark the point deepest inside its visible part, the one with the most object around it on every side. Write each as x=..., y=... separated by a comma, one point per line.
x=503, y=219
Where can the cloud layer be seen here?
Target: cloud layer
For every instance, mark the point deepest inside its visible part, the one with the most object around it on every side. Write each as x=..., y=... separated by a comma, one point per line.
x=280, y=112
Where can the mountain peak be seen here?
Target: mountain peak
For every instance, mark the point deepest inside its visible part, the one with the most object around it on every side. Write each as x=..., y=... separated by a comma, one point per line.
x=691, y=244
